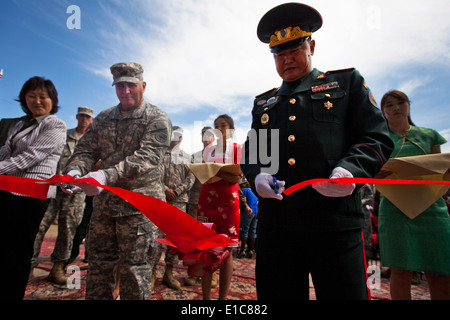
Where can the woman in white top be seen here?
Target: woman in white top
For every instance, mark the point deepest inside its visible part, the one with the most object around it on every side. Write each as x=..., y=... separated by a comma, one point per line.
x=219, y=201
x=32, y=151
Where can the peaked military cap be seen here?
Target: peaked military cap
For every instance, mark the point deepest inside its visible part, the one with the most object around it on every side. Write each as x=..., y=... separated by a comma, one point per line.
x=127, y=72
x=288, y=25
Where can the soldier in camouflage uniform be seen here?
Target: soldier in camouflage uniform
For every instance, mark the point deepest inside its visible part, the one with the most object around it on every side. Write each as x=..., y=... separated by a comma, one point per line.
x=197, y=157
x=66, y=208
x=130, y=139
x=178, y=180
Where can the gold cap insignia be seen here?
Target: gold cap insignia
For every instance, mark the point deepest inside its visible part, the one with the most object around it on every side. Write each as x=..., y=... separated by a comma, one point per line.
x=287, y=34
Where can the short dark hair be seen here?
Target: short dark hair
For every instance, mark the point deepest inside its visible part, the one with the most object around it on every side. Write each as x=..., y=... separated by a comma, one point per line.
x=39, y=83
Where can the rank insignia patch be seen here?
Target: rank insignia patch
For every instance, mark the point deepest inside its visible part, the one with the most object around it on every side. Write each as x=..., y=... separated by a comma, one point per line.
x=371, y=97
x=322, y=76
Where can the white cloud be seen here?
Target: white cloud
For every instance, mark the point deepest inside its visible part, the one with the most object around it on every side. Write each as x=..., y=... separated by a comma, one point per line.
x=411, y=85
x=202, y=57
x=205, y=52
x=445, y=148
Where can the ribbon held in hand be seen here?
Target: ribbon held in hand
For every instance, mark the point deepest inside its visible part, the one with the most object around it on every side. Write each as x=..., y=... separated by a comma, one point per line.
x=185, y=232
x=189, y=236
x=196, y=241
x=306, y=183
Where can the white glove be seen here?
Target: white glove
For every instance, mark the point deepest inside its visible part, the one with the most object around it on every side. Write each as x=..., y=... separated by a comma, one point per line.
x=331, y=189
x=265, y=186
x=90, y=189
x=68, y=187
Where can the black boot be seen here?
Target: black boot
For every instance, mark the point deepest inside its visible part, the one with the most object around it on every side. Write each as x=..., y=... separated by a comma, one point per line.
x=241, y=249
x=251, y=248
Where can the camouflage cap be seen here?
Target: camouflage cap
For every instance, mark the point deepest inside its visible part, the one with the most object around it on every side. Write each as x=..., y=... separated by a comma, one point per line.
x=127, y=72
x=86, y=110
x=177, y=133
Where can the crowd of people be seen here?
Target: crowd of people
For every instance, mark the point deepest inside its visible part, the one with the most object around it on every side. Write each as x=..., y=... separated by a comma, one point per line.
x=328, y=126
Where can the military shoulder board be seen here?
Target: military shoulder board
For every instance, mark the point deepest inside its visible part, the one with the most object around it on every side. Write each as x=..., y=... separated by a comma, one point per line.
x=340, y=70
x=268, y=91
x=324, y=75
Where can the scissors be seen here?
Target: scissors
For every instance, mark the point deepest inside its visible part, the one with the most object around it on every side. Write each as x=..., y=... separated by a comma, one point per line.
x=276, y=188
x=63, y=185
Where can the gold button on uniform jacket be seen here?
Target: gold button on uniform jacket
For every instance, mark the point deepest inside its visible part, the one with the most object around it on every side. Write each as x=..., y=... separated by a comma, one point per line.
x=326, y=120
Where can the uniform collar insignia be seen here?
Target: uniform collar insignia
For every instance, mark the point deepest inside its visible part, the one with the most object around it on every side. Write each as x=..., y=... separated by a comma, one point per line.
x=322, y=76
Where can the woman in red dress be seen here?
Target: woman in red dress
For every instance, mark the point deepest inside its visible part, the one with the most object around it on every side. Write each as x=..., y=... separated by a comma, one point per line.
x=219, y=201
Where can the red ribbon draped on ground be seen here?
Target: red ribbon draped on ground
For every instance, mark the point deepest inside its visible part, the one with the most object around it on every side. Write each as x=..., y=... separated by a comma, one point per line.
x=197, y=244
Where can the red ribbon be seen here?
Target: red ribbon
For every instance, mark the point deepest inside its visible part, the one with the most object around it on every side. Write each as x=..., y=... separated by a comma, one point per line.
x=189, y=236
x=24, y=186
x=201, y=262
x=198, y=245
x=306, y=183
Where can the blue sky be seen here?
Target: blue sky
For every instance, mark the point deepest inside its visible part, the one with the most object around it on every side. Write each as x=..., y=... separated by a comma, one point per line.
x=202, y=58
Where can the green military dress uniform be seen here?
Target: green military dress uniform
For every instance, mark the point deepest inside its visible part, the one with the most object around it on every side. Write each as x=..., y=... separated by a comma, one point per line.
x=317, y=123
x=327, y=120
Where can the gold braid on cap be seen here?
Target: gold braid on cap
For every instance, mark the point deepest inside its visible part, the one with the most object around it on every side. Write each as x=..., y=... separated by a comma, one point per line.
x=286, y=35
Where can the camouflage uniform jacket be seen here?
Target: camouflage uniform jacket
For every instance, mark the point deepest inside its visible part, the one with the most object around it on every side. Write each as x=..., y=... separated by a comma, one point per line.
x=131, y=146
x=72, y=139
x=177, y=175
x=194, y=193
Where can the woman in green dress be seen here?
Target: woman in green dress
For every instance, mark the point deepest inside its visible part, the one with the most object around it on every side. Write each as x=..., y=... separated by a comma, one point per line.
x=422, y=243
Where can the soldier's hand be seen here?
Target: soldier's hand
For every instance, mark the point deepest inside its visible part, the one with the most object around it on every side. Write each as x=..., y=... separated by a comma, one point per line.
x=264, y=184
x=170, y=194
x=332, y=189
x=68, y=187
x=90, y=189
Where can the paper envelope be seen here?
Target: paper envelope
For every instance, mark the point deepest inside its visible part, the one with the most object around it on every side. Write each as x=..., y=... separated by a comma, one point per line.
x=206, y=172
x=412, y=200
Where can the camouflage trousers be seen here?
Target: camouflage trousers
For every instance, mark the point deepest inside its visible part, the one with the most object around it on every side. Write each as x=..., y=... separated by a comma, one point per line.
x=68, y=210
x=128, y=239
x=192, y=210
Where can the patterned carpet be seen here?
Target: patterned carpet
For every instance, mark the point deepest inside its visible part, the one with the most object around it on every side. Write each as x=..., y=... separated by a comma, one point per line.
x=242, y=286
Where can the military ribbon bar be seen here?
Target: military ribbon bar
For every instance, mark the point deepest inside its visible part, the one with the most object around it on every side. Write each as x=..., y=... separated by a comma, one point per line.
x=326, y=86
